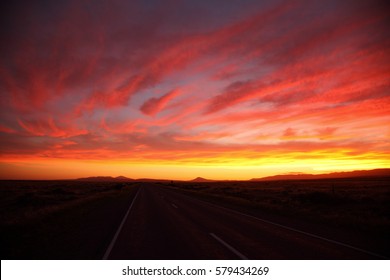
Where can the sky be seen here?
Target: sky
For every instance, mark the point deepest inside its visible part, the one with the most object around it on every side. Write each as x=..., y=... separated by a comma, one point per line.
x=179, y=89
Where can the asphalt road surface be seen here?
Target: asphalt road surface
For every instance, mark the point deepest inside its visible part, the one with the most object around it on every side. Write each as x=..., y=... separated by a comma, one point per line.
x=162, y=223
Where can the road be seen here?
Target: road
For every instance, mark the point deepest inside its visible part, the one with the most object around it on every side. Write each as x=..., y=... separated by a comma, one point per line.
x=162, y=223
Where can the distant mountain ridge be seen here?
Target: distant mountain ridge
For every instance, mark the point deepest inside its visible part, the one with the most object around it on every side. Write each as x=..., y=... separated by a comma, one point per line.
x=385, y=172
x=118, y=179
x=105, y=179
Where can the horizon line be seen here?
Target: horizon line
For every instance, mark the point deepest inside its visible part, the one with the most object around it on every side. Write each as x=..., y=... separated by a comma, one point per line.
x=292, y=174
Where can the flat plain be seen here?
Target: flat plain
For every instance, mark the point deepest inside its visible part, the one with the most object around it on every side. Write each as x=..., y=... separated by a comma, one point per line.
x=196, y=220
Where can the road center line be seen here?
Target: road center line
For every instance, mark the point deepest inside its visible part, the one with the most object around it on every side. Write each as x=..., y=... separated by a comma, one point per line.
x=108, y=251
x=229, y=247
x=174, y=206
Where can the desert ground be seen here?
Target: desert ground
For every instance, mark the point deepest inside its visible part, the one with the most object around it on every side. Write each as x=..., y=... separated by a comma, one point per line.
x=78, y=219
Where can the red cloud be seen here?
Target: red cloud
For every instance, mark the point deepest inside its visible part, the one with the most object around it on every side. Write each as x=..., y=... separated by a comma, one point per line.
x=48, y=128
x=154, y=105
x=276, y=80
x=6, y=129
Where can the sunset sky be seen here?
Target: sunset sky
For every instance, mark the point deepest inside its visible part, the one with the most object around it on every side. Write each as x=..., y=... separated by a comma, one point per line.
x=180, y=89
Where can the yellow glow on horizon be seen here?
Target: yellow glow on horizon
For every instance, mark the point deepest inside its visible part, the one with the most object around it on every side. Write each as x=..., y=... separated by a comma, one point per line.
x=229, y=167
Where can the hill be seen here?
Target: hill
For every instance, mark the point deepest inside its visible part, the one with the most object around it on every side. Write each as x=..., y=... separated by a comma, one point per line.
x=200, y=179
x=349, y=174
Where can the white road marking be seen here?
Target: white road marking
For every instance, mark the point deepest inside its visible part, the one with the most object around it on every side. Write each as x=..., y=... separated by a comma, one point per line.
x=295, y=230
x=312, y=235
x=174, y=206
x=108, y=251
x=243, y=257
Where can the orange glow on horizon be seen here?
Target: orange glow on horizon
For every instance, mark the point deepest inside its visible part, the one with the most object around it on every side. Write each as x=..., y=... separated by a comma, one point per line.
x=232, y=167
